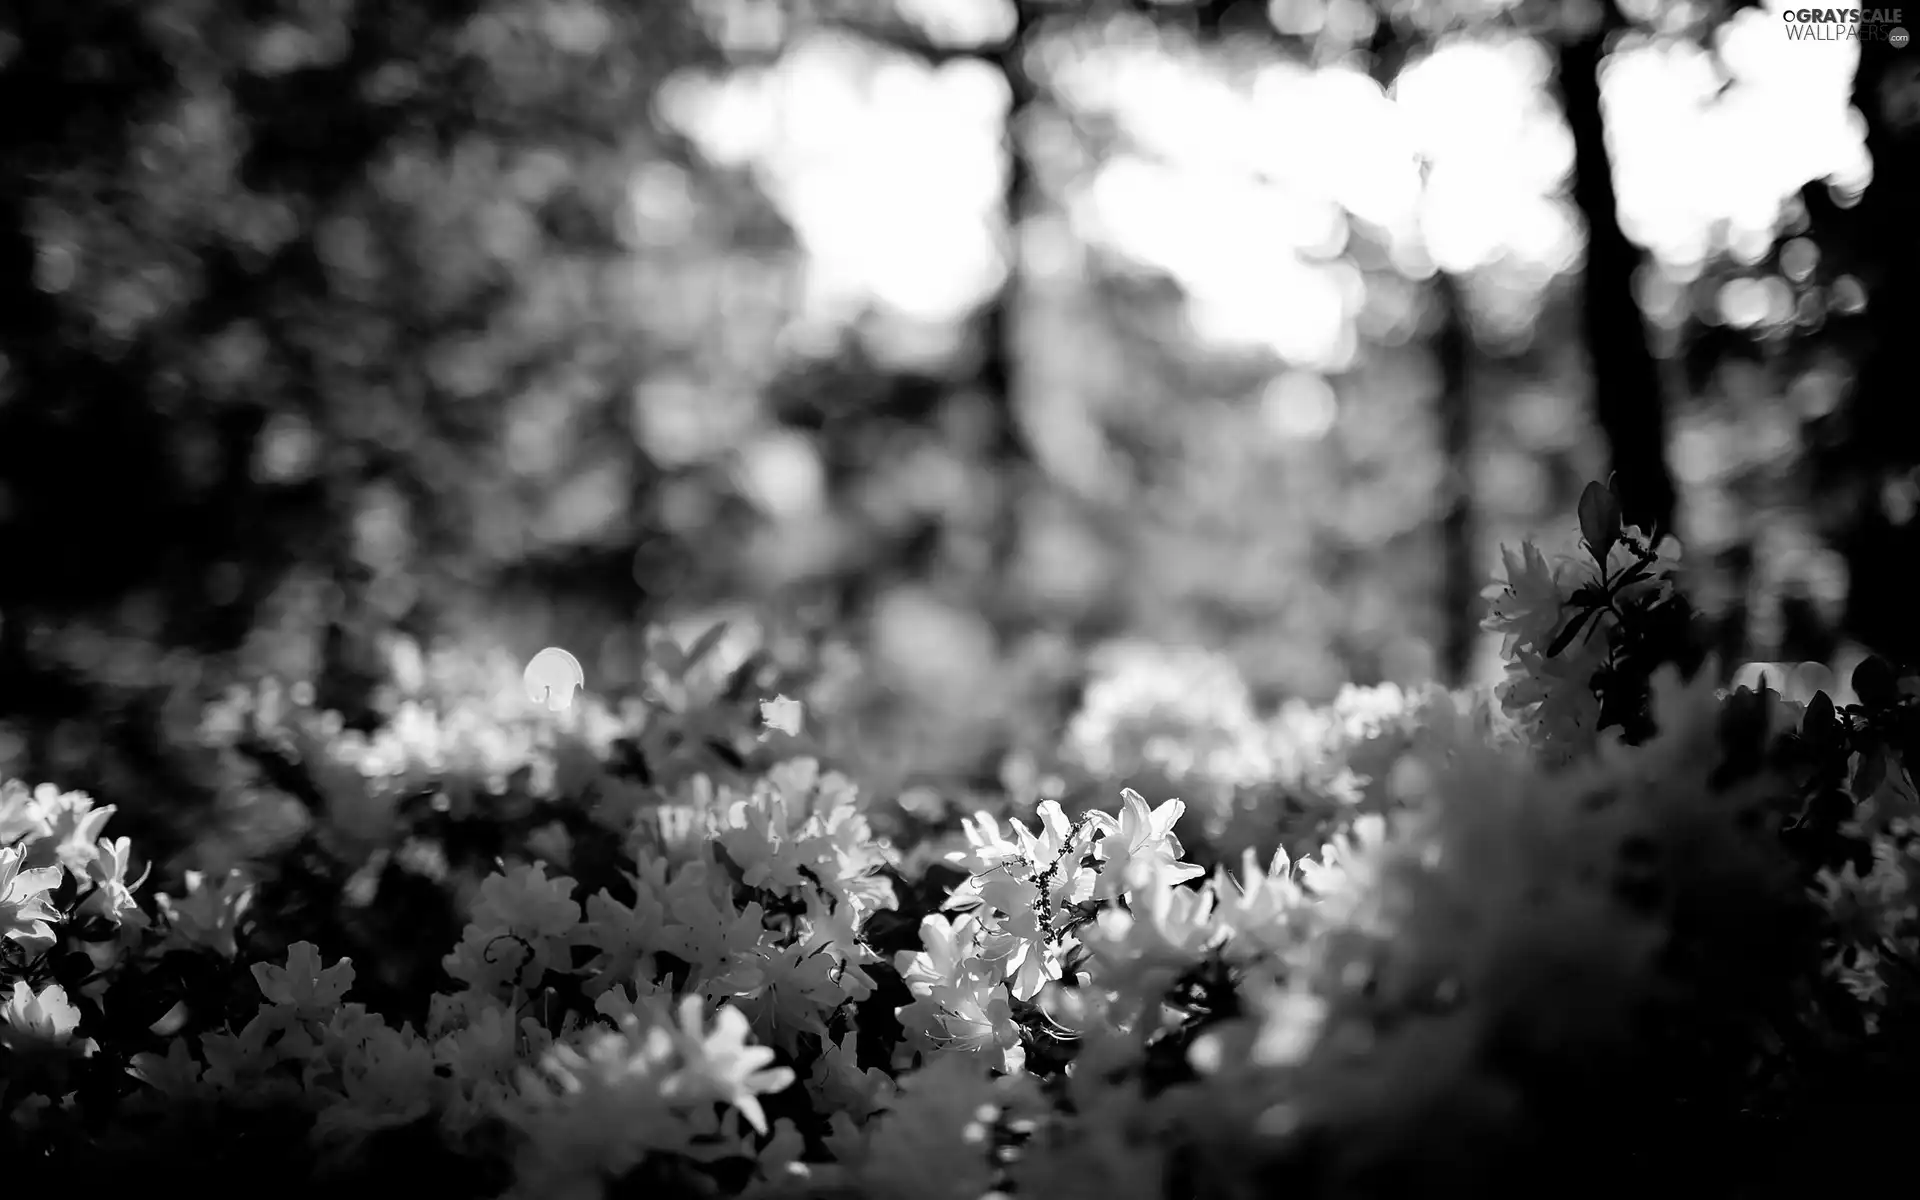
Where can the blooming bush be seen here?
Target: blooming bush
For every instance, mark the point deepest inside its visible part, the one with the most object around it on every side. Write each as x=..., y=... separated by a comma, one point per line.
x=1608, y=917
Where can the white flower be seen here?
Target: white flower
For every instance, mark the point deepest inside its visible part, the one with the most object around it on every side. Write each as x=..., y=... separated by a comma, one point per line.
x=721, y=1065
x=208, y=915
x=112, y=896
x=302, y=984
x=25, y=904
x=73, y=828
x=21, y=817
x=1143, y=950
x=38, y=1022
x=523, y=924
x=1141, y=847
x=624, y=936
x=782, y=715
x=175, y=1075
x=1525, y=607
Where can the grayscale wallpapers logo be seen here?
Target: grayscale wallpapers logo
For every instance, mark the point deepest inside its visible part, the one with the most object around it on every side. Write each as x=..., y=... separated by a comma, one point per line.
x=1847, y=25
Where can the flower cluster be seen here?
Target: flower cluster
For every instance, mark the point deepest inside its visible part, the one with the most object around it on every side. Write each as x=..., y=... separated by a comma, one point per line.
x=1477, y=941
x=1582, y=634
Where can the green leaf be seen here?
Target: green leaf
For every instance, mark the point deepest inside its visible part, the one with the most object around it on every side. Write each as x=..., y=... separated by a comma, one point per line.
x=1569, y=633
x=703, y=647
x=1868, y=773
x=1599, y=520
x=1632, y=577
x=1820, y=723
x=1875, y=684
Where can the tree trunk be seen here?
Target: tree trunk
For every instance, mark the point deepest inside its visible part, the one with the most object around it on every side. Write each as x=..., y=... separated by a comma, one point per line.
x=1627, y=401
x=1000, y=374
x=1882, y=440
x=995, y=375
x=1459, y=572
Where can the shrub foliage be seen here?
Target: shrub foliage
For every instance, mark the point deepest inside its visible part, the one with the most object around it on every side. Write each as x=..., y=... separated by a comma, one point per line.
x=1604, y=920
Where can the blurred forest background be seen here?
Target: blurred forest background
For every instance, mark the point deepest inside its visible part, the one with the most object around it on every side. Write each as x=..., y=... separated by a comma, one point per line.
x=956, y=339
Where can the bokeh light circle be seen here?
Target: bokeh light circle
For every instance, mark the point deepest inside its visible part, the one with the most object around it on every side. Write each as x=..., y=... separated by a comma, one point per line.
x=552, y=677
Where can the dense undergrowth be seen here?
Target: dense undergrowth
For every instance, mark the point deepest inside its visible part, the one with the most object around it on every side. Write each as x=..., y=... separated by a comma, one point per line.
x=1607, y=926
